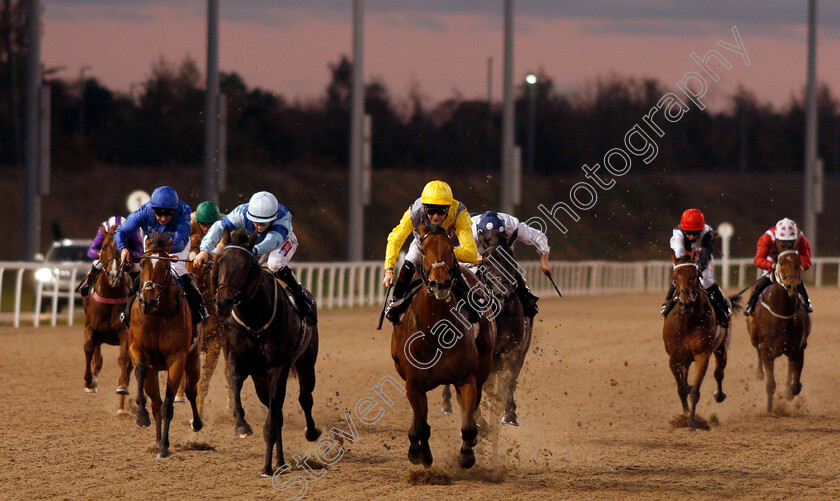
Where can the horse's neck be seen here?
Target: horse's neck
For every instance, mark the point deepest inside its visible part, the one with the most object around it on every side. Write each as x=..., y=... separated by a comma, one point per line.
x=779, y=301
x=259, y=309
x=104, y=288
x=431, y=310
x=697, y=316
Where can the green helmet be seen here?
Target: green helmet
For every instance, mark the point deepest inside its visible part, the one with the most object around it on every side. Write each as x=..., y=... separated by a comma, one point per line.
x=207, y=213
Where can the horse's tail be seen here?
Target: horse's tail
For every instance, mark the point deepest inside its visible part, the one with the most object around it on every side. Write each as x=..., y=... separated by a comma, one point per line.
x=735, y=302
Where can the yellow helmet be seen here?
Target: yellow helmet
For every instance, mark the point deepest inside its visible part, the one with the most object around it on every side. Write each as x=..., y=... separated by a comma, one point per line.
x=436, y=193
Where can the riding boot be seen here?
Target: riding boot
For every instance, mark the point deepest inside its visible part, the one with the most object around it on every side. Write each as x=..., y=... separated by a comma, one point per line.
x=722, y=311
x=396, y=306
x=90, y=281
x=526, y=297
x=304, y=301
x=669, y=303
x=125, y=316
x=762, y=284
x=194, y=299
x=461, y=291
x=804, y=296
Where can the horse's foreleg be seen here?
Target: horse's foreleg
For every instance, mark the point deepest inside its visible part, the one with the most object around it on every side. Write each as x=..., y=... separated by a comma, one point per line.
x=141, y=374
x=680, y=372
x=124, y=361
x=243, y=429
x=273, y=428
x=769, y=363
x=701, y=363
x=468, y=399
x=446, y=405
x=90, y=379
x=720, y=365
x=152, y=389
x=97, y=361
x=305, y=367
x=759, y=372
x=514, y=368
x=420, y=431
x=192, y=377
x=795, y=364
x=175, y=374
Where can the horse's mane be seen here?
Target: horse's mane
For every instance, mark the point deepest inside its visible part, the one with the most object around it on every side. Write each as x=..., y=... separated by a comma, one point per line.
x=437, y=230
x=684, y=259
x=159, y=239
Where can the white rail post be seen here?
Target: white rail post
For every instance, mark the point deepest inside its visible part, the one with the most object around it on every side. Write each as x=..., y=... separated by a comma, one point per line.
x=725, y=230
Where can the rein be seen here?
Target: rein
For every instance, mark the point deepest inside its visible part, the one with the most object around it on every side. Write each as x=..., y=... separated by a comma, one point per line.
x=257, y=332
x=153, y=285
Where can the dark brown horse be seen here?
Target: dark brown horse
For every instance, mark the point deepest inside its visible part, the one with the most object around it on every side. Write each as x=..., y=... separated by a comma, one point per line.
x=780, y=325
x=266, y=339
x=691, y=334
x=433, y=345
x=513, y=328
x=102, y=318
x=212, y=329
x=161, y=338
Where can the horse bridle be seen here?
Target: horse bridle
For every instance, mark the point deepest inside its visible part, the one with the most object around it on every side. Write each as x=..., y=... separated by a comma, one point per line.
x=238, y=296
x=152, y=284
x=778, y=273
x=482, y=274
x=453, y=271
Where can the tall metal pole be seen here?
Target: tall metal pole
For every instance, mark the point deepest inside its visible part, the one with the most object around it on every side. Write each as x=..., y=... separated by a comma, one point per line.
x=32, y=199
x=811, y=129
x=532, y=118
x=507, y=113
x=489, y=113
x=211, y=103
x=355, y=237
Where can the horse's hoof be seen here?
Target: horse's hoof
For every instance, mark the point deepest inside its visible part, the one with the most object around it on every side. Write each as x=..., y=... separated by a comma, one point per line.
x=312, y=434
x=90, y=390
x=265, y=475
x=122, y=412
x=415, y=454
x=466, y=459
x=720, y=396
x=163, y=454
x=243, y=431
x=180, y=398
x=446, y=408
x=794, y=390
x=122, y=390
x=196, y=424
x=510, y=418
x=143, y=420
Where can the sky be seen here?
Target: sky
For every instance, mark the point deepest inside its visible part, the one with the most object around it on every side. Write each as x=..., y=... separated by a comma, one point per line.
x=441, y=47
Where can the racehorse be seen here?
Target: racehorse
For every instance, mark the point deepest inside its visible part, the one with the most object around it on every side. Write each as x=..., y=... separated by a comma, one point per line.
x=161, y=338
x=433, y=344
x=212, y=329
x=781, y=325
x=513, y=328
x=102, y=318
x=266, y=338
x=691, y=334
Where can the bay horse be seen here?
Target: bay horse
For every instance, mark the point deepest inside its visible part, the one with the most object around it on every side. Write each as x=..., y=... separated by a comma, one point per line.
x=212, y=329
x=691, y=334
x=513, y=328
x=102, y=318
x=781, y=325
x=434, y=344
x=266, y=339
x=161, y=338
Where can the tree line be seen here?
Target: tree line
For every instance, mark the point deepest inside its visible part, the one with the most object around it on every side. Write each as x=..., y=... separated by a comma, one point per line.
x=161, y=124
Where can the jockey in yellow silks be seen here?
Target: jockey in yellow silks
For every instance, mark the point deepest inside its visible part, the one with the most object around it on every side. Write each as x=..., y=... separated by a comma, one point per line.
x=436, y=206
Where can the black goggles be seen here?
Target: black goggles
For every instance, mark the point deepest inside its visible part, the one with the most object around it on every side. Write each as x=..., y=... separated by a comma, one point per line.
x=436, y=210
x=693, y=233
x=164, y=212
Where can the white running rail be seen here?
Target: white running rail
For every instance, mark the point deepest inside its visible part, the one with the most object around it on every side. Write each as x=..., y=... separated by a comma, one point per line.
x=344, y=285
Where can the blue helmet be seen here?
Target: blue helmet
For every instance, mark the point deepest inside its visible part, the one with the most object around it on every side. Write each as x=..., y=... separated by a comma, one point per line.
x=164, y=197
x=490, y=221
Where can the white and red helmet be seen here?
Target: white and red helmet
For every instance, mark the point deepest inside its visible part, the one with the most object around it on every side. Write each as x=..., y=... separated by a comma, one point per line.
x=786, y=230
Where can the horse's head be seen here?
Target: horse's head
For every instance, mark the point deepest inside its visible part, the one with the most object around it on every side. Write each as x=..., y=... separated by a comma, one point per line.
x=686, y=280
x=236, y=272
x=109, y=257
x=155, y=272
x=788, y=266
x=438, y=268
x=498, y=269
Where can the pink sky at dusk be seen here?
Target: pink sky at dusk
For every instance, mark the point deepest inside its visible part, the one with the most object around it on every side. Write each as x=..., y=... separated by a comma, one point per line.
x=291, y=58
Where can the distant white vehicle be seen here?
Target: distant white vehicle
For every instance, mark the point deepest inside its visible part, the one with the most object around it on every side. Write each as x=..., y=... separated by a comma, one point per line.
x=68, y=250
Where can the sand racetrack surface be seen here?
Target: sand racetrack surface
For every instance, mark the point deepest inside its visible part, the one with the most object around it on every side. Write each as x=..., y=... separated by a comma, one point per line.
x=596, y=401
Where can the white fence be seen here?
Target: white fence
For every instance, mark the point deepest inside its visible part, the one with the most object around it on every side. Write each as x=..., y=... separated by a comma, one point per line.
x=341, y=285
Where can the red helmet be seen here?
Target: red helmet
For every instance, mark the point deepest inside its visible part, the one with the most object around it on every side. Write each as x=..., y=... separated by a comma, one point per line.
x=692, y=220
